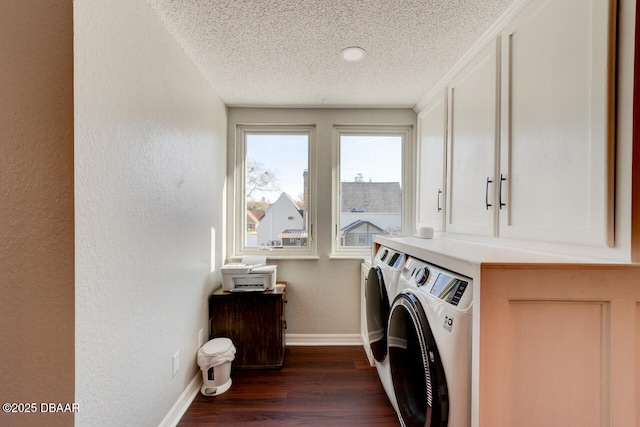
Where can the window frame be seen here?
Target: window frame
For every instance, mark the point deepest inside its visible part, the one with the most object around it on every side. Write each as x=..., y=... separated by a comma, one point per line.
x=238, y=198
x=407, y=159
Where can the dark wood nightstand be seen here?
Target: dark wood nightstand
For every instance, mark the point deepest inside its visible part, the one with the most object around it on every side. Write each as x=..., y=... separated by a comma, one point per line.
x=254, y=321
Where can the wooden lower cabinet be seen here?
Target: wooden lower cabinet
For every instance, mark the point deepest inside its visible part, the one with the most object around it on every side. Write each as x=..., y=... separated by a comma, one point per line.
x=255, y=323
x=559, y=346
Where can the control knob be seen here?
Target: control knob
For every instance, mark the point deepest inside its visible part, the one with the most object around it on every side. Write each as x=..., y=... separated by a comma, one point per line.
x=421, y=276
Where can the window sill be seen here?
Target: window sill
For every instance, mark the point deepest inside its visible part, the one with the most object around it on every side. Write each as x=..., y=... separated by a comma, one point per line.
x=238, y=258
x=360, y=257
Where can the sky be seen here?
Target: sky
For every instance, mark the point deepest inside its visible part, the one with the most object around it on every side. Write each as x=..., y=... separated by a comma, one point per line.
x=377, y=158
x=285, y=155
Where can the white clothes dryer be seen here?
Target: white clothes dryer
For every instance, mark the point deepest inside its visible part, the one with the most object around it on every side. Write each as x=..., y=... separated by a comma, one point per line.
x=380, y=289
x=429, y=340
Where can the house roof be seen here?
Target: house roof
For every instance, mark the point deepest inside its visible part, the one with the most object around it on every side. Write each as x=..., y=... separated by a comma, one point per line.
x=281, y=199
x=293, y=234
x=379, y=197
x=254, y=216
x=357, y=224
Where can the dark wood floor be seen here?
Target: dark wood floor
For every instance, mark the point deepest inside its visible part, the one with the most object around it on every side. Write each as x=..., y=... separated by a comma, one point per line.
x=317, y=386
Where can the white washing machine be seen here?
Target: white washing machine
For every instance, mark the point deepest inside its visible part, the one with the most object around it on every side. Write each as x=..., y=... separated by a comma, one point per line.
x=429, y=340
x=380, y=290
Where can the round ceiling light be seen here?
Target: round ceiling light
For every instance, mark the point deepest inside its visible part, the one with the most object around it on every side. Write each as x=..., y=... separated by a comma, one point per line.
x=353, y=53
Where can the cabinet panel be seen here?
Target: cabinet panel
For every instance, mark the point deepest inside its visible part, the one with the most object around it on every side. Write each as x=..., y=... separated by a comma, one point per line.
x=558, y=346
x=472, y=138
x=431, y=164
x=254, y=321
x=554, y=144
x=539, y=341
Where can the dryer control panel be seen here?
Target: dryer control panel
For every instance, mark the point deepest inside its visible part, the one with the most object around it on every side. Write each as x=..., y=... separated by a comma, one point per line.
x=445, y=285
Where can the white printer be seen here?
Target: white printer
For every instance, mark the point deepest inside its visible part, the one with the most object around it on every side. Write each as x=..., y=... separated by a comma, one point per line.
x=251, y=275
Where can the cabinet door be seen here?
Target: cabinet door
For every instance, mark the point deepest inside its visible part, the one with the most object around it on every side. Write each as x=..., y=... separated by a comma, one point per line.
x=255, y=324
x=432, y=123
x=555, y=145
x=472, y=139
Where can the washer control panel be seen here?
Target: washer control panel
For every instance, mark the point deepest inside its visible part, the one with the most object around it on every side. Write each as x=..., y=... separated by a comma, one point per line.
x=449, y=289
x=421, y=276
x=389, y=257
x=437, y=282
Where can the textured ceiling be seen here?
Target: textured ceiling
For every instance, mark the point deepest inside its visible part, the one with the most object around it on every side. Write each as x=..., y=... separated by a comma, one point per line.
x=286, y=53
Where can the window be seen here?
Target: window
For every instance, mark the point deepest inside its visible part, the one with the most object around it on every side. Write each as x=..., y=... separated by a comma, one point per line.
x=273, y=190
x=371, y=186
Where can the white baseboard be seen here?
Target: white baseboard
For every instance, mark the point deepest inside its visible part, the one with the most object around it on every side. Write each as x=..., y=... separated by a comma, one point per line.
x=323, y=339
x=183, y=402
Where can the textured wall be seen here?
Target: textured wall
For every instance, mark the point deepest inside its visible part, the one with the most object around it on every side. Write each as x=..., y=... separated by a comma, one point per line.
x=150, y=171
x=36, y=209
x=323, y=294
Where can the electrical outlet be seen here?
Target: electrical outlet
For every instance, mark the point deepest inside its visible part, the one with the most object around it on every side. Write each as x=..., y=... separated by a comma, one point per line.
x=175, y=363
x=200, y=338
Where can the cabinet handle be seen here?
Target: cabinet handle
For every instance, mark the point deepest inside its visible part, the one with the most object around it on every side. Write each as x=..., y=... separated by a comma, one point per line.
x=502, y=178
x=486, y=194
x=439, y=193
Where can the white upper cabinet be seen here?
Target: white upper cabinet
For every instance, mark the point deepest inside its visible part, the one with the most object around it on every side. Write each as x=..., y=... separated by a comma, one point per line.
x=529, y=131
x=555, y=147
x=431, y=167
x=471, y=145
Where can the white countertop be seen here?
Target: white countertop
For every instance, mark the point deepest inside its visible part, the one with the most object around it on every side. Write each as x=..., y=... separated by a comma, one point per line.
x=465, y=257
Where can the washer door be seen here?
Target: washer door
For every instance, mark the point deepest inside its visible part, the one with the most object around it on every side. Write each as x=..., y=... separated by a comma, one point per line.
x=377, y=313
x=418, y=377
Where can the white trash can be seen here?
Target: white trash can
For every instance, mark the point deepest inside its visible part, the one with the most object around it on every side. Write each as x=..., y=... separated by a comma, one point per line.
x=214, y=359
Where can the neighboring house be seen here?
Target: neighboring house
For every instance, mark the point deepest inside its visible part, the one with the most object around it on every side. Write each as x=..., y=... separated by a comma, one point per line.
x=382, y=197
x=359, y=233
x=253, y=219
x=293, y=237
x=367, y=209
x=282, y=215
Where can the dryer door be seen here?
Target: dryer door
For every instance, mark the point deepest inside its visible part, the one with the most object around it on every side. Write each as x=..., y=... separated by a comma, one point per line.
x=418, y=377
x=377, y=313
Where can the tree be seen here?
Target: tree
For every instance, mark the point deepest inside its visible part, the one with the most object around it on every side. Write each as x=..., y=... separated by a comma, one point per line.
x=253, y=205
x=358, y=178
x=260, y=179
